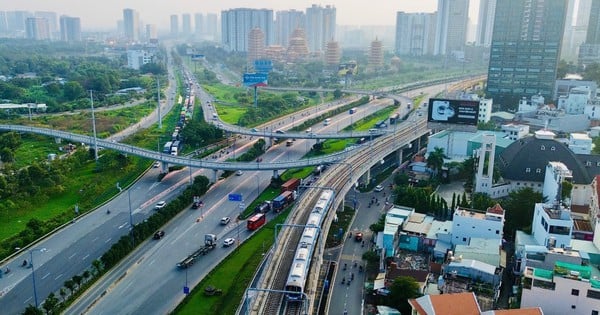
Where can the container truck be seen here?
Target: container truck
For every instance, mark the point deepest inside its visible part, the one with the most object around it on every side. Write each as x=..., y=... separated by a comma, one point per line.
x=210, y=242
x=290, y=185
x=283, y=200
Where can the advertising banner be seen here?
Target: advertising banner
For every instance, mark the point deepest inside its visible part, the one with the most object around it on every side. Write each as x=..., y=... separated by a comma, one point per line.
x=453, y=112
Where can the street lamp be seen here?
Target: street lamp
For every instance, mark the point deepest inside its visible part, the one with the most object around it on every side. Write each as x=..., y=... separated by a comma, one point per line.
x=93, y=127
x=33, y=272
x=257, y=185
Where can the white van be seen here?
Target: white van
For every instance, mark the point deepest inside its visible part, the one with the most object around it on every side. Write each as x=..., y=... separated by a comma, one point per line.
x=215, y=116
x=326, y=122
x=308, y=130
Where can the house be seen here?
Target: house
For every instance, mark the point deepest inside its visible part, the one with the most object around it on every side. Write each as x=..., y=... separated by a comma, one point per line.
x=460, y=304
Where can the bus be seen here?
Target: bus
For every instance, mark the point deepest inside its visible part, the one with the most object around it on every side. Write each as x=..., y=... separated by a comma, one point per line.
x=256, y=221
x=167, y=147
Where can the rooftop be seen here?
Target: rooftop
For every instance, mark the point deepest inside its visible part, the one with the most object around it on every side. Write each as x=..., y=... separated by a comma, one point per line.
x=446, y=304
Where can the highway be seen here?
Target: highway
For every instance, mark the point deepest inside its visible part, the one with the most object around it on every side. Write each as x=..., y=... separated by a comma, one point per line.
x=153, y=285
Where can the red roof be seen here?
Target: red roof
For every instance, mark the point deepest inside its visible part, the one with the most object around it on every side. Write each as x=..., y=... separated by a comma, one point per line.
x=496, y=209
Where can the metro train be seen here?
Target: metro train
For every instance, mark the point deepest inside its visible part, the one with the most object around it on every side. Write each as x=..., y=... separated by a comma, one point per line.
x=302, y=257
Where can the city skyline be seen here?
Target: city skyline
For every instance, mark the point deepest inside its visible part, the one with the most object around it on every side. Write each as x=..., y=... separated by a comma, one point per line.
x=349, y=12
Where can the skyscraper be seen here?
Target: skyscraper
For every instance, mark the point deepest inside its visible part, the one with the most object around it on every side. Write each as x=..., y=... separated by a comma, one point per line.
x=415, y=33
x=211, y=26
x=576, y=22
x=186, y=24
x=131, y=25
x=199, y=26
x=320, y=26
x=285, y=23
x=589, y=52
x=70, y=28
x=174, y=25
x=451, y=26
x=151, y=32
x=37, y=28
x=237, y=23
x=525, y=48
x=52, y=21
x=485, y=25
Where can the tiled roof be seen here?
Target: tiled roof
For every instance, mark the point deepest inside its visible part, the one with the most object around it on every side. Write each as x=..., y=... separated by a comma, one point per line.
x=534, y=153
x=446, y=304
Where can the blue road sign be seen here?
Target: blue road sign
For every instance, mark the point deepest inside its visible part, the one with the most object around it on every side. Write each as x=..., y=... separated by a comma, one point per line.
x=263, y=65
x=235, y=197
x=186, y=290
x=197, y=56
x=255, y=79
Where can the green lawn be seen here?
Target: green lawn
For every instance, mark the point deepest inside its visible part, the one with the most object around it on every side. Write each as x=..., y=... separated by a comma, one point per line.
x=35, y=147
x=231, y=113
x=232, y=275
x=223, y=93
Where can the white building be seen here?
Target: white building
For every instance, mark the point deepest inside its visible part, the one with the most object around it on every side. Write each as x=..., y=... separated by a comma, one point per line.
x=565, y=289
x=556, y=174
x=471, y=223
x=532, y=105
x=320, y=26
x=485, y=110
x=515, y=132
x=138, y=58
x=552, y=225
x=236, y=24
x=580, y=143
x=575, y=102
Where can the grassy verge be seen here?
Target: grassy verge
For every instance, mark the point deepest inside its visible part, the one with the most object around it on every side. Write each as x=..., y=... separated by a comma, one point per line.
x=232, y=275
x=344, y=218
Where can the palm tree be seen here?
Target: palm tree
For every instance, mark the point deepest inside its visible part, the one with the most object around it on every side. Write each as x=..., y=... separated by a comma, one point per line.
x=63, y=293
x=435, y=160
x=69, y=284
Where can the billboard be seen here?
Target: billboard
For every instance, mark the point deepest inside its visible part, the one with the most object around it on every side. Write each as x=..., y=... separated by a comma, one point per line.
x=453, y=112
x=197, y=57
x=255, y=79
x=263, y=65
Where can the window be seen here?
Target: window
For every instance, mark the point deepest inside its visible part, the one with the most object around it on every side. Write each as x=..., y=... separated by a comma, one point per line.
x=498, y=232
x=542, y=148
x=594, y=312
x=575, y=292
x=538, y=170
x=593, y=294
x=552, y=148
x=464, y=239
x=528, y=170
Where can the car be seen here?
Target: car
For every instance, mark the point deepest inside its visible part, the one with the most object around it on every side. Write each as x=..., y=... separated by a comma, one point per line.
x=159, y=234
x=161, y=204
x=378, y=188
x=254, y=130
x=239, y=173
x=228, y=242
x=225, y=220
x=358, y=236
x=279, y=131
x=156, y=164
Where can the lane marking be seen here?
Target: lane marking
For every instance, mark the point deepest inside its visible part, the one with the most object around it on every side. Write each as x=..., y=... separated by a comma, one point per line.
x=108, y=240
x=46, y=276
x=72, y=255
x=85, y=257
x=60, y=275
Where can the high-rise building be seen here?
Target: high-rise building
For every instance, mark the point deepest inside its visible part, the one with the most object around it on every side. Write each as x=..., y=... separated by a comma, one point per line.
x=576, y=21
x=186, y=20
x=237, y=23
x=70, y=28
x=151, y=32
x=451, y=26
x=131, y=25
x=285, y=23
x=298, y=47
x=37, y=28
x=415, y=33
x=51, y=17
x=174, y=25
x=332, y=54
x=3, y=24
x=199, y=27
x=15, y=22
x=376, y=54
x=211, y=26
x=525, y=49
x=589, y=52
x=256, y=45
x=485, y=24
x=320, y=26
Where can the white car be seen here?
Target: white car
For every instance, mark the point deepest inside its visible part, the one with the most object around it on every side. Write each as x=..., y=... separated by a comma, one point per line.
x=225, y=220
x=228, y=242
x=239, y=173
x=161, y=204
x=378, y=188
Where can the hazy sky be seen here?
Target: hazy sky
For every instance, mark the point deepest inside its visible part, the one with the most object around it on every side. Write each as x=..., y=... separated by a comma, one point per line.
x=105, y=13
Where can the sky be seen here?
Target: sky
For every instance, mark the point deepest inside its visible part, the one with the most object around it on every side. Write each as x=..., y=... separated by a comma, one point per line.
x=105, y=13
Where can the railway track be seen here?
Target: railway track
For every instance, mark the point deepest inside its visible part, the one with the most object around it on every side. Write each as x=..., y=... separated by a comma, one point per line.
x=338, y=179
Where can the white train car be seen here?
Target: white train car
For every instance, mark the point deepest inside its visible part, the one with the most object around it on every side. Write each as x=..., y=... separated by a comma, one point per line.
x=302, y=258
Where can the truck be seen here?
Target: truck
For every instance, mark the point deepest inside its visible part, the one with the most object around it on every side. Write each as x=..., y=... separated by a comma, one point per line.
x=290, y=185
x=210, y=242
x=256, y=221
x=283, y=200
x=263, y=207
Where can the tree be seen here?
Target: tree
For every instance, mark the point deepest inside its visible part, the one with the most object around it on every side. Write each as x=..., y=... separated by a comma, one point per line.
x=337, y=93
x=51, y=303
x=72, y=90
x=77, y=279
x=69, y=284
x=435, y=160
x=63, y=293
x=97, y=265
x=402, y=289
x=519, y=208
x=32, y=310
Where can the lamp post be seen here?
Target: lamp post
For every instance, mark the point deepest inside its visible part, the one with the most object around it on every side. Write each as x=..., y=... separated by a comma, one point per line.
x=94, y=127
x=257, y=185
x=35, y=299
